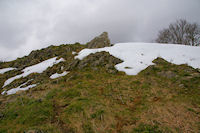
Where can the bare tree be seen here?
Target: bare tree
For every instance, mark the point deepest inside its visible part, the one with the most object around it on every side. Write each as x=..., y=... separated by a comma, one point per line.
x=180, y=32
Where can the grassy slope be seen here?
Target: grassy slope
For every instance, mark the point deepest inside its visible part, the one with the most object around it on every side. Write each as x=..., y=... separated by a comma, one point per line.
x=87, y=101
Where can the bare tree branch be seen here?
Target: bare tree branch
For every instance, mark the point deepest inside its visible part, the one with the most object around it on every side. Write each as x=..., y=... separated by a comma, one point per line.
x=180, y=32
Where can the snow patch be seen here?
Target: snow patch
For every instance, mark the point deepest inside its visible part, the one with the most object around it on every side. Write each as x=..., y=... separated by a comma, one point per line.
x=138, y=56
x=38, y=68
x=56, y=75
x=73, y=52
x=15, y=90
x=2, y=71
x=20, y=88
x=4, y=92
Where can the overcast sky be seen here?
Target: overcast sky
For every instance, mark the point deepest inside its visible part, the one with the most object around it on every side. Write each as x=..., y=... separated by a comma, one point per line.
x=26, y=25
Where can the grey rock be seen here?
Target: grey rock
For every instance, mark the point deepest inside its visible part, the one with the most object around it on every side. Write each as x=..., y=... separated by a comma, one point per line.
x=100, y=41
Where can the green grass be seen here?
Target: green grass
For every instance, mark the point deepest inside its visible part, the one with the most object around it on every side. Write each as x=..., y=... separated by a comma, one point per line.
x=98, y=114
x=87, y=128
x=144, y=128
x=25, y=113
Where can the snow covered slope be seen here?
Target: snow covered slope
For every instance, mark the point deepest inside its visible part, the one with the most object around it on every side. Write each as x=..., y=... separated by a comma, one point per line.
x=138, y=56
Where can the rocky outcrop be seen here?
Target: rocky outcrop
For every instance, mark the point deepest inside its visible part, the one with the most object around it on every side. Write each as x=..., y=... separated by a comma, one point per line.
x=99, y=41
x=100, y=59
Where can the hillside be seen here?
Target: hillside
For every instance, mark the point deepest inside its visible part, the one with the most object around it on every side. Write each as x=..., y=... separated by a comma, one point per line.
x=98, y=88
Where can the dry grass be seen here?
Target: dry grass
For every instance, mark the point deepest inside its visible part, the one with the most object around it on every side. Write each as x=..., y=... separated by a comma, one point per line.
x=174, y=116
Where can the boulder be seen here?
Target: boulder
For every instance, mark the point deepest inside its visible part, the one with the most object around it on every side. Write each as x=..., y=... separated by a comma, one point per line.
x=99, y=41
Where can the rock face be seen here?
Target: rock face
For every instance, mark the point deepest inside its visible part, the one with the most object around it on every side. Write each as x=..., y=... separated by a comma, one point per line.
x=100, y=41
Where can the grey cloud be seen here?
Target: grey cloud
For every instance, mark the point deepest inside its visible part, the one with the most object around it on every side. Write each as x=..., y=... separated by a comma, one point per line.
x=26, y=25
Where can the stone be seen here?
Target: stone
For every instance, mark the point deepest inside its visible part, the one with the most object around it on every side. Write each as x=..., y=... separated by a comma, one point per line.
x=100, y=41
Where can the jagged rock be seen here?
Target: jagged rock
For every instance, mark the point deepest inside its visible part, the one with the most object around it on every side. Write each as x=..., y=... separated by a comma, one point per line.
x=100, y=41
